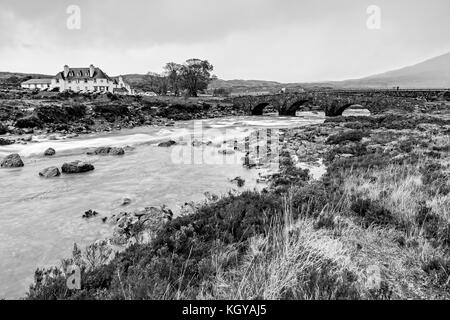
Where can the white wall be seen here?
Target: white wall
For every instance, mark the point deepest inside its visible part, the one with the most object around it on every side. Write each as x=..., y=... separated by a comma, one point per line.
x=101, y=85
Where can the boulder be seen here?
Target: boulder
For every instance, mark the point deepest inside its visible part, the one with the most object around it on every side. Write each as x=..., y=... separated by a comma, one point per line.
x=3, y=129
x=50, y=172
x=117, y=151
x=198, y=143
x=140, y=226
x=100, y=151
x=167, y=144
x=239, y=181
x=89, y=214
x=5, y=142
x=126, y=201
x=76, y=167
x=49, y=152
x=12, y=161
x=27, y=138
x=107, y=151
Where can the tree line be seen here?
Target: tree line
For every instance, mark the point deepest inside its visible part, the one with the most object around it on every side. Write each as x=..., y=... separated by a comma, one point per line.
x=189, y=78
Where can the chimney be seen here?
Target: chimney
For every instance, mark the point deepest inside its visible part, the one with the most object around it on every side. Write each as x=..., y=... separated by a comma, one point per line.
x=91, y=70
x=66, y=71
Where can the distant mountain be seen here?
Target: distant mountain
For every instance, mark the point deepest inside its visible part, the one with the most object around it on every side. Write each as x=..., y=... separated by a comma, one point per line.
x=6, y=75
x=432, y=73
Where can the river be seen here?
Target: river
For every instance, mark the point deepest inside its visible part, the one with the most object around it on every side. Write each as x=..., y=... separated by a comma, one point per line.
x=40, y=219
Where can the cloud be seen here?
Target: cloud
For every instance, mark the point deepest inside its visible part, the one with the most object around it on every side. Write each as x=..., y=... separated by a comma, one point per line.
x=288, y=40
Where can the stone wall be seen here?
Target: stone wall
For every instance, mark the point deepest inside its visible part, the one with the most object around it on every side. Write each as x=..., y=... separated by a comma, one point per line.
x=334, y=103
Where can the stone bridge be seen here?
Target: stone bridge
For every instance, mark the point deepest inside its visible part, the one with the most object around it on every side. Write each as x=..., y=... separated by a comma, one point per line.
x=335, y=102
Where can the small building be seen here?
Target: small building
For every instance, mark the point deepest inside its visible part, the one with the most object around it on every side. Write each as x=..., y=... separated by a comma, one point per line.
x=40, y=84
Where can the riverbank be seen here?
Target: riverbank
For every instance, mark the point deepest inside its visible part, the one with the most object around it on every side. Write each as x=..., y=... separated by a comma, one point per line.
x=59, y=115
x=374, y=226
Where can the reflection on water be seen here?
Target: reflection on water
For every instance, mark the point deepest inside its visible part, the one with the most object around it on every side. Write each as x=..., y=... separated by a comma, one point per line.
x=40, y=219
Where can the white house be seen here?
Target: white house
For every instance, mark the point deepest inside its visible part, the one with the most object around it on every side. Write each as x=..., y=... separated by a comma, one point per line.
x=90, y=79
x=40, y=84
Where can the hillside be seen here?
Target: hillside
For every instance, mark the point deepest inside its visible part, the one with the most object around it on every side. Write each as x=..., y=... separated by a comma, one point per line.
x=432, y=73
x=9, y=80
x=7, y=75
x=242, y=86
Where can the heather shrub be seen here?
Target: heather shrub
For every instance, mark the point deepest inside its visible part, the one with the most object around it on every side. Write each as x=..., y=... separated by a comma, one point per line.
x=370, y=212
x=346, y=136
x=31, y=121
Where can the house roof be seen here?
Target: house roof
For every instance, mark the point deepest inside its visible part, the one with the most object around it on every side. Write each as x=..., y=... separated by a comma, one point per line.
x=82, y=74
x=38, y=81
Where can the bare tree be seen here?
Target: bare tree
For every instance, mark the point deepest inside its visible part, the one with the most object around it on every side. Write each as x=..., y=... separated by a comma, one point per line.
x=172, y=72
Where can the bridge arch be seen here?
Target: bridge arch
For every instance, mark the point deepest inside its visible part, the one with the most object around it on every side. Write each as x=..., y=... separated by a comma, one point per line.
x=335, y=102
x=258, y=110
x=294, y=107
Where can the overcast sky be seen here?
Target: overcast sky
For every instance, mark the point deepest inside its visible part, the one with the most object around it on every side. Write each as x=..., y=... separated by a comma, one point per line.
x=281, y=40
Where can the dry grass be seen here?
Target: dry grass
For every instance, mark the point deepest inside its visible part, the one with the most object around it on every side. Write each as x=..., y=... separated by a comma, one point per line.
x=295, y=261
x=400, y=190
x=344, y=260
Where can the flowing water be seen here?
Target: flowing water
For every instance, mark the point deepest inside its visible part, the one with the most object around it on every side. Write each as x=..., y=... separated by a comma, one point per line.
x=40, y=219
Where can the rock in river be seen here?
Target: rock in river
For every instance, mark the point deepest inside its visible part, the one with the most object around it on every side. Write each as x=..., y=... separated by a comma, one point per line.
x=167, y=143
x=77, y=167
x=107, y=150
x=126, y=201
x=89, y=214
x=117, y=151
x=50, y=172
x=12, y=161
x=49, y=152
x=240, y=182
x=5, y=142
x=100, y=151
